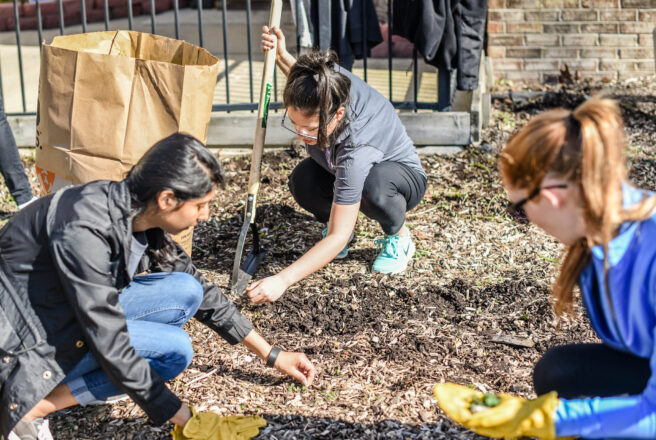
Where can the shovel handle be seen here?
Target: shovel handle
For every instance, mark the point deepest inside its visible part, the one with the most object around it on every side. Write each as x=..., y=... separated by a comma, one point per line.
x=263, y=107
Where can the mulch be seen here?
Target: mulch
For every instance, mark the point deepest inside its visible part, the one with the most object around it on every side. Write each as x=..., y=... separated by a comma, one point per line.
x=473, y=308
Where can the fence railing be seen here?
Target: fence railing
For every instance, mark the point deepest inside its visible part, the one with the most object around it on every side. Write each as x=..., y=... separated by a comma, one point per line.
x=108, y=12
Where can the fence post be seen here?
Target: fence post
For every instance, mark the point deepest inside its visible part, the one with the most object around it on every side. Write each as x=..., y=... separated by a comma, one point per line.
x=325, y=26
x=655, y=48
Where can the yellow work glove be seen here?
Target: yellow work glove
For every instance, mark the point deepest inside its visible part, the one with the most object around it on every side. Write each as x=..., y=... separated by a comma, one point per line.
x=211, y=426
x=512, y=418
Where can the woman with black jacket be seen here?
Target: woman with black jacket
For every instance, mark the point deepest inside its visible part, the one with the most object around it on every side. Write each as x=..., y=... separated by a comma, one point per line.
x=78, y=325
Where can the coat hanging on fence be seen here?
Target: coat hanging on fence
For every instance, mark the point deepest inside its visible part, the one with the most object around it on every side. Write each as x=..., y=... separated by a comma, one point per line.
x=449, y=33
x=347, y=24
x=300, y=9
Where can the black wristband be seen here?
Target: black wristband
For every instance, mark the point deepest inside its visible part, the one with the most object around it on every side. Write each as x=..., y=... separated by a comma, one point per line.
x=273, y=355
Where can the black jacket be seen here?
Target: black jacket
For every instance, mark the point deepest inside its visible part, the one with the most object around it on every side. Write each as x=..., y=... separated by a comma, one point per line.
x=343, y=27
x=449, y=34
x=63, y=264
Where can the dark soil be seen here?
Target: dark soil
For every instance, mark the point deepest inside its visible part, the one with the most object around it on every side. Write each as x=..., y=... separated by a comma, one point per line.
x=381, y=342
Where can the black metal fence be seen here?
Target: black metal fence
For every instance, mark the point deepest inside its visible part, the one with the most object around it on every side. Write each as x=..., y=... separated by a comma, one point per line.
x=442, y=101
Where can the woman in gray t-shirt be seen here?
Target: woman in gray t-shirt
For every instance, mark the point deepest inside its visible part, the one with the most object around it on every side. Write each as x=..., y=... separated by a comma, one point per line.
x=361, y=159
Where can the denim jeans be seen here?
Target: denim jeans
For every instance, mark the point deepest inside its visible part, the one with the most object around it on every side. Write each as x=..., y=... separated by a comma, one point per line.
x=155, y=307
x=11, y=166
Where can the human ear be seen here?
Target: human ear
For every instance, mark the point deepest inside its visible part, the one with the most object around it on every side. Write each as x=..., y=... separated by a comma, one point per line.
x=166, y=200
x=340, y=113
x=554, y=198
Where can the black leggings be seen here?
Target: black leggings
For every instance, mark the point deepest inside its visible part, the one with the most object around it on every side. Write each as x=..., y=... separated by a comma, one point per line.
x=390, y=190
x=590, y=370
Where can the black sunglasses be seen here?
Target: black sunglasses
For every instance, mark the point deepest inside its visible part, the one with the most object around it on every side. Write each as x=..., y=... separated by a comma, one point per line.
x=516, y=210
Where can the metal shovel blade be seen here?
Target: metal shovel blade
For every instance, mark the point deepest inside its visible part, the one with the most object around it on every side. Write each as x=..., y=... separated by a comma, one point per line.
x=242, y=274
x=247, y=269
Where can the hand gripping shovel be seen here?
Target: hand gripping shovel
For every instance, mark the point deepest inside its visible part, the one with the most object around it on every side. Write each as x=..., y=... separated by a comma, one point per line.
x=242, y=272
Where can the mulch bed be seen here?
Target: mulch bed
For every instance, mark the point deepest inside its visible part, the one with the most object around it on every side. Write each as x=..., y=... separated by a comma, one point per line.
x=381, y=342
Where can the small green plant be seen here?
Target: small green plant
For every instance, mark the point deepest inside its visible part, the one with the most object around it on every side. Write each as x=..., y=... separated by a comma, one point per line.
x=330, y=395
x=504, y=82
x=478, y=404
x=482, y=166
x=296, y=388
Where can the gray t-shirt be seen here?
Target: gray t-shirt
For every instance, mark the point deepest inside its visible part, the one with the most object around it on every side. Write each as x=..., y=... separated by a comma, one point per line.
x=373, y=134
x=138, y=246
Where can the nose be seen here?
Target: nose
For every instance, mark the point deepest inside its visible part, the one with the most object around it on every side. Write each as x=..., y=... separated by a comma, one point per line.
x=204, y=213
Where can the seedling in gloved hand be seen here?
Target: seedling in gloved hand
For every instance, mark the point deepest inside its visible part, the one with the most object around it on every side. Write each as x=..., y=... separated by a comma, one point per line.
x=478, y=404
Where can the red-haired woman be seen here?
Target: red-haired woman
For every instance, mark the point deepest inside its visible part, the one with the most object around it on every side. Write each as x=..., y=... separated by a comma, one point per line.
x=565, y=172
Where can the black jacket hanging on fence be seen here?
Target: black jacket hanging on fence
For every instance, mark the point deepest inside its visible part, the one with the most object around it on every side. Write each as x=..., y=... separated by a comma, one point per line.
x=449, y=33
x=344, y=27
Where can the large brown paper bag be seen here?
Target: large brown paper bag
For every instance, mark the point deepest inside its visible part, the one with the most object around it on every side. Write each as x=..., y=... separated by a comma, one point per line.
x=106, y=97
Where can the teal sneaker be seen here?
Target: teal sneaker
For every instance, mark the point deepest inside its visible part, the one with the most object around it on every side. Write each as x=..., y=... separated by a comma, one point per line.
x=344, y=251
x=395, y=253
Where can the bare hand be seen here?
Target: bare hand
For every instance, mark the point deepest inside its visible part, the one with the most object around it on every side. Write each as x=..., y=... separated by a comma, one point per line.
x=266, y=290
x=269, y=41
x=183, y=415
x=296, y=365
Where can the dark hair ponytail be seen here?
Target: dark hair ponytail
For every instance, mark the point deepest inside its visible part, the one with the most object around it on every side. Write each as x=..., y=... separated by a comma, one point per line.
x=314, y=86
x=179, y=163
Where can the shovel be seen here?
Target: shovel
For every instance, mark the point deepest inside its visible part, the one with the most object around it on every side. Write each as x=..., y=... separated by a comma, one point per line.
x=242, y=272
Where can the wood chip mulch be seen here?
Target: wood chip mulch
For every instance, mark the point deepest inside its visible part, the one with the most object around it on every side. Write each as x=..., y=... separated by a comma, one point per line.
x=473, y=307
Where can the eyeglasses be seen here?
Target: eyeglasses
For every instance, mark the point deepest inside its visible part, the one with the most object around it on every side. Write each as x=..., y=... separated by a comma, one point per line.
x=305, y=136
x=516, y=210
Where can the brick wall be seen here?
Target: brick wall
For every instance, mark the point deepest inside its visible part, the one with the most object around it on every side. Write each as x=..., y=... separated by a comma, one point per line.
x=531, y=40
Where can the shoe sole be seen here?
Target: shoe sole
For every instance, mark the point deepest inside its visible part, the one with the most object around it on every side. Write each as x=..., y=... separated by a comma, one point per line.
x=405, y=266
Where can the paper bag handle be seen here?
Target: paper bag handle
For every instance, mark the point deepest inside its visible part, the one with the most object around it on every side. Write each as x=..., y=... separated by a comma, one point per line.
x=111, y=46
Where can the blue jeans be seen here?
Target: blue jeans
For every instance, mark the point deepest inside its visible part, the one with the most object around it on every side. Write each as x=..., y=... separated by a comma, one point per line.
x=11, y=166
x=155, y=307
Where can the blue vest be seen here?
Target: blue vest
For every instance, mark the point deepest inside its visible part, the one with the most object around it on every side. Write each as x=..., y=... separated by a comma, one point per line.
x=627, y=322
